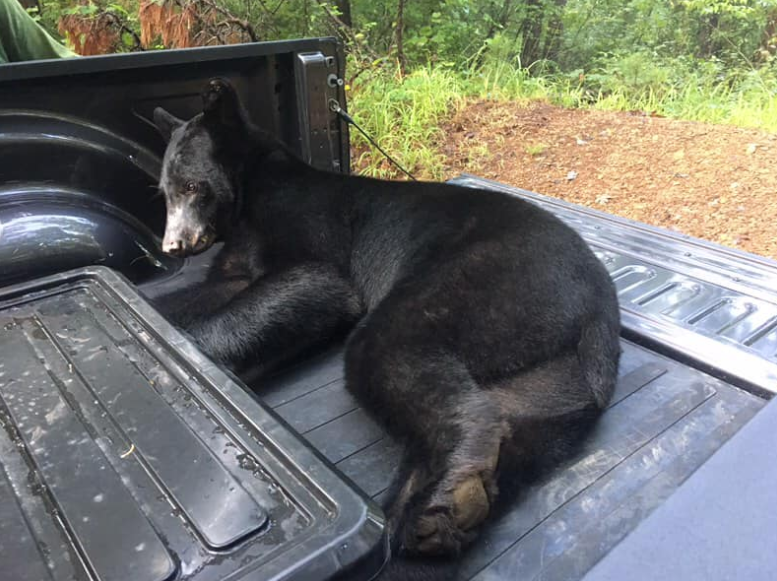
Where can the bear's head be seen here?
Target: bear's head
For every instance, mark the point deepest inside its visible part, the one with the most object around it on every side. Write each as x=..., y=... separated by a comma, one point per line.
x=199, y=176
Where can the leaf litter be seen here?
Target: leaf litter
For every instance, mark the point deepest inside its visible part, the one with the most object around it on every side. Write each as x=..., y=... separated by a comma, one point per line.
x=715, y=182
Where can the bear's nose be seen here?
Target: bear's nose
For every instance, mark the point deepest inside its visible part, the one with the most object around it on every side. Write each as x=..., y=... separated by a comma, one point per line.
x=174, y=247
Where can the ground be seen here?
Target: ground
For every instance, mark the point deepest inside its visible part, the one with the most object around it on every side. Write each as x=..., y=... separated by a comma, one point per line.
x=710, y=181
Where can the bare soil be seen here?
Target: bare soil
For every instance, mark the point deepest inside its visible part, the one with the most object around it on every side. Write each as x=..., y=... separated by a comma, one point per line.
x=710, y=181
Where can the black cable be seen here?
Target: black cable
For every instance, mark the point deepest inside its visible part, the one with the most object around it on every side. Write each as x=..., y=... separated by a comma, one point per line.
x=348, y=119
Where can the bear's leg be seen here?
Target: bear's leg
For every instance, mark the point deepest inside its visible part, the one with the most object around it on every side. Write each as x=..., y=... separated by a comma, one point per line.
x=452, y=434
x=279, y=316
x=462, y=439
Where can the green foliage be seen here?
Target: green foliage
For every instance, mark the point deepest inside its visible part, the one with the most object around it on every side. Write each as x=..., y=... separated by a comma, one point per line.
x=549, y=35
x=404, y=115
x=88, y=9
x=709, y=94
x=34, y=13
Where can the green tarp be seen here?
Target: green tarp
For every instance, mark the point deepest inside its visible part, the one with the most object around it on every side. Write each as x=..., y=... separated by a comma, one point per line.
x=21, y=39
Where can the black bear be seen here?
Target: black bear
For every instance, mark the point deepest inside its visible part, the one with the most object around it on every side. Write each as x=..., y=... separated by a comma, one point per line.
x=483, y=332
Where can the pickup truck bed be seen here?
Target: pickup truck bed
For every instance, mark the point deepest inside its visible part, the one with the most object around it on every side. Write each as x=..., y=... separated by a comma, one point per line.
x=674, y=407
x=699, y=363
x=111, y=419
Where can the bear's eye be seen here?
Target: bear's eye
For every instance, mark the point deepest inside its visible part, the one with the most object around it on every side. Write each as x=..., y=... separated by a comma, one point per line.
x=191, y=187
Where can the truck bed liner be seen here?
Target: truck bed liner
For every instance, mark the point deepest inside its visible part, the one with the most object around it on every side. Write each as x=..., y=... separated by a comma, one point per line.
x=111, y=420
x=664, y=422
x=126, y=454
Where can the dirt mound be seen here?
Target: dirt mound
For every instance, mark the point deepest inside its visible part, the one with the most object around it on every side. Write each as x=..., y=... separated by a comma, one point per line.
x=710, y=181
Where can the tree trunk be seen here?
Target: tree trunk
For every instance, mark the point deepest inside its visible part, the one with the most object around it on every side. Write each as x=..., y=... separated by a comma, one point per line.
x=532, y=32
x=344, y=7
x=768, y=44
x=542, y=29
x=554, y=32
x=400, y=26
x=708, y=45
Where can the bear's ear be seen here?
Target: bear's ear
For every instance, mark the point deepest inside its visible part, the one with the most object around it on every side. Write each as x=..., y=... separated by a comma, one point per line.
x=165, y=122
x=221, y=106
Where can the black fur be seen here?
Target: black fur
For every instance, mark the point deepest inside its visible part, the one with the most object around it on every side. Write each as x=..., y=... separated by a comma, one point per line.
x=483, y=331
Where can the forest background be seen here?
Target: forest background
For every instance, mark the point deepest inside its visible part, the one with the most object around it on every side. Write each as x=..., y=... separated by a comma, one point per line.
x=585, y=99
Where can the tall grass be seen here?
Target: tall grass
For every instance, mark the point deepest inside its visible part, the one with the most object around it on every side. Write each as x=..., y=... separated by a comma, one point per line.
x=405, y=113
x=754, y=108
x=696, y=91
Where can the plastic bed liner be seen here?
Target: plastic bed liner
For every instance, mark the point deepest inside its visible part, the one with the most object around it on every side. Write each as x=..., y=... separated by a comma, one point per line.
x=126, y=450
x=127, y=454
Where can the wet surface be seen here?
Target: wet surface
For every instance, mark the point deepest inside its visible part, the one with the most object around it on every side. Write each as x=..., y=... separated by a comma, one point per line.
x=663, y=422
x=123, y=457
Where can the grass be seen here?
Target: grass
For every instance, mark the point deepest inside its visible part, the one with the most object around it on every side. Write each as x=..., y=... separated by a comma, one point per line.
x=748, y=106
x=535, y=149
x=405, y=116
x=405, y=113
